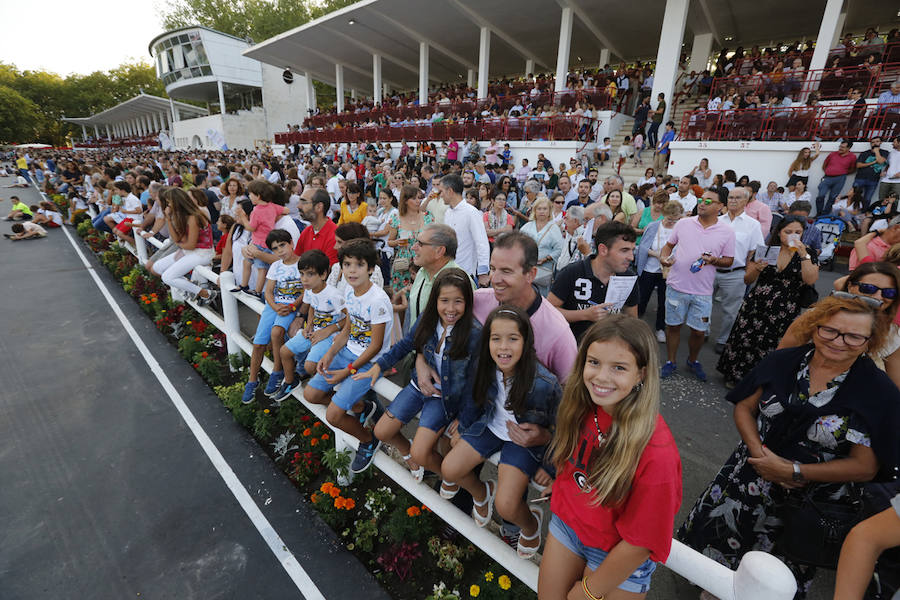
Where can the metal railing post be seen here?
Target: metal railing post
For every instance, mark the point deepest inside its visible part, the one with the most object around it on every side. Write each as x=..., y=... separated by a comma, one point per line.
x=761, y=576
x=230, y=313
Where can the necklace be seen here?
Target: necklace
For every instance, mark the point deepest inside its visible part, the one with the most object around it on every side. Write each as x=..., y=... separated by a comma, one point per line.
x=600, y=436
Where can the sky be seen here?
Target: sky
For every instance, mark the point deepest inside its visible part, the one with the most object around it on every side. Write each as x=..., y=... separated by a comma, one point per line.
x=77, y=37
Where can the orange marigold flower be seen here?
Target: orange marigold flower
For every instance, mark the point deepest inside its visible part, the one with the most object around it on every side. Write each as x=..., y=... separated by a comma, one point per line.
x=325, y=436
x=425, y=508
x=196, y=339
x=307, y=432
x=204, y=354
x=326, y=487
x=317, y=424
x=339, y=502
x=413, y=511
x=314, y=497
x=334, y=492
x=349, y=503
x=313, y=441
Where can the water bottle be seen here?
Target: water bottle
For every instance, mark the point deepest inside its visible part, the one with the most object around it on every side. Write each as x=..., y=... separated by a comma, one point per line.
x=697, y=265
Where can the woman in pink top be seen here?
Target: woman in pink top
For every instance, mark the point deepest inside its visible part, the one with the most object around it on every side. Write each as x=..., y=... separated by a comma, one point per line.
x=452, y=150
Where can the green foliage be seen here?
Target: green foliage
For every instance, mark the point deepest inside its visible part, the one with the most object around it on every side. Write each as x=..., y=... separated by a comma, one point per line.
x=19, y=116
x=84, y=227
x=364, y=534
x=408, y=523
x=244, y=414
x=338, y=462
x=450, y=557
x=262, y=424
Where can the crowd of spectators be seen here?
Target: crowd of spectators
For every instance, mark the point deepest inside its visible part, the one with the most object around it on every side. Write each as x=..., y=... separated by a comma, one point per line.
x=361, y=255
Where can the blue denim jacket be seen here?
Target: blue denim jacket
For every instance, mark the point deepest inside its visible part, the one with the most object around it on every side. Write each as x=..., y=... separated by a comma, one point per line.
x=540, y=407
x=457, y=375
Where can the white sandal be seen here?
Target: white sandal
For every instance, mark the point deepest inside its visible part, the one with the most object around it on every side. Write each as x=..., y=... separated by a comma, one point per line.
x=490, y=487
x=417, y=474
x=527, y=552
x=446, y=493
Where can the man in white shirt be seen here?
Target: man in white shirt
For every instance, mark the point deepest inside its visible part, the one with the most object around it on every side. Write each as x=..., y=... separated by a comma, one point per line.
x=566, y=189
x=729, y=288
x=473, y=251
x=333, y=187
x=714, y=103
x=890, y=181
x=684, y=196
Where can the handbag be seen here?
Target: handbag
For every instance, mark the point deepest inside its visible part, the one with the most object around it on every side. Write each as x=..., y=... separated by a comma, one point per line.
x=808, y=296
x=814, y=530
x=400, y=264
x=544, y=276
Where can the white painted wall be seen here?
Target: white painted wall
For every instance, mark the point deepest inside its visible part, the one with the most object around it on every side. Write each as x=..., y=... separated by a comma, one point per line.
x=610, y=123
x=284, y=104
x=226, y=60
x=241, y=131
x=763, y=161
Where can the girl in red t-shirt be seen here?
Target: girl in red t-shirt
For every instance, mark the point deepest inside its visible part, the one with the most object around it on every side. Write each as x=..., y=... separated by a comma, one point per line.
x=619, y=474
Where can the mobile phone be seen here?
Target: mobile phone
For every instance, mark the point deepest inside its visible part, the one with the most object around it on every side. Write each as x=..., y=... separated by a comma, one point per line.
x=539, y=499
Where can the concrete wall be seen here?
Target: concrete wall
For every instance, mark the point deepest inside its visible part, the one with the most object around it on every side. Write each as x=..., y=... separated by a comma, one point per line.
x=610, y=123
x=241, y=131
x=226, y=60
x=763, y=161
x=284, y=103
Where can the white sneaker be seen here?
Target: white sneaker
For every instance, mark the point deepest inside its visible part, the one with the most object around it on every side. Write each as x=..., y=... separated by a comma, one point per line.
x=661, y=336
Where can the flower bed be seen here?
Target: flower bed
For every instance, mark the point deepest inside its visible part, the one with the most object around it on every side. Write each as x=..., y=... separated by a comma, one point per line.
x=403, y=544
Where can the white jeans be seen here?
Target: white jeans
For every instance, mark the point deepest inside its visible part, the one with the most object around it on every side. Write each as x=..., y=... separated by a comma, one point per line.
x=175, y=266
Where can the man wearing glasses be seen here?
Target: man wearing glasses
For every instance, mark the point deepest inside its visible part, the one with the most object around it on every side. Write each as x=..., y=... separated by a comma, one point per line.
x=434, y=250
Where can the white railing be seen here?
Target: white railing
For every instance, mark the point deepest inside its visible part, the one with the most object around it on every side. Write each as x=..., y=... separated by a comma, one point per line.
x=760, y=576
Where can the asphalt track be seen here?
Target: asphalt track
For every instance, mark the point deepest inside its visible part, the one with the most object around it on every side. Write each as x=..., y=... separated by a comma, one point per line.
x=105, y=491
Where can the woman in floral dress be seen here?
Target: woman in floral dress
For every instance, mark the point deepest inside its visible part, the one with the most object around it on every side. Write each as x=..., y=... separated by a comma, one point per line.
x=772, y=305
x=406, y=225
x=812, y=419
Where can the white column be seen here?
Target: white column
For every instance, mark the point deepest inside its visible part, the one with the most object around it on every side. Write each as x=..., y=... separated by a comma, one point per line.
x=386, y=91
x=377, y=84
x=423, y=73
x=156, y=127
x=174, y=111
x=470, y=78
x=604, y=57
x=669, y=51
x=96, y=132
x=565, y=43
x=339, y=86
x=353, y=95
x=529, y=66
x=108, y=134
x=700, y=52
x=484, y=62
x=827, y=31
x=83, y=132
x=839, y=29
x=310, y=93
x=221, y=96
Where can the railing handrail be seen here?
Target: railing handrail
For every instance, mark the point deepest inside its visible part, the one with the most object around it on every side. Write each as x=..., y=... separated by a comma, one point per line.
x=759, y=576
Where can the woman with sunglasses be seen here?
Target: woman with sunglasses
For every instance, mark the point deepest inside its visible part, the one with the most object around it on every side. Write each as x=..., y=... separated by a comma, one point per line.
x=877, y=283
x=773, y=304
x=818, y=420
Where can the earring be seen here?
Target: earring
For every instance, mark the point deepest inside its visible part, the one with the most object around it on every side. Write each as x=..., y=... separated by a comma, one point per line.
x=638, y=387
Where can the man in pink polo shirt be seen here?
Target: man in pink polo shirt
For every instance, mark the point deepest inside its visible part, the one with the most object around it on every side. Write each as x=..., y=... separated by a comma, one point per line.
x=880, y=243
x=837, y=166
x=701, y=244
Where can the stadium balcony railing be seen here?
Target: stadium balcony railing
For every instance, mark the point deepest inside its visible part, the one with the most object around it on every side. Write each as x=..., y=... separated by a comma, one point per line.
x=798, y=123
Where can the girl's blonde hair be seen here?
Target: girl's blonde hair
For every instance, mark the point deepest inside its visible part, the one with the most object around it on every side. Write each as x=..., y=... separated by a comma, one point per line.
x=540, y=201
x=611, y=472
x=801, y=162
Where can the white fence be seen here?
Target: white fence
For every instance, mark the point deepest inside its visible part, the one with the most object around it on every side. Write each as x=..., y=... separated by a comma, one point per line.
x=760, y=576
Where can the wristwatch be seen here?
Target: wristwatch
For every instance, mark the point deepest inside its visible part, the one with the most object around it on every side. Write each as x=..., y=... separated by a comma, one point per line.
x=798, y=475
x=804, y=257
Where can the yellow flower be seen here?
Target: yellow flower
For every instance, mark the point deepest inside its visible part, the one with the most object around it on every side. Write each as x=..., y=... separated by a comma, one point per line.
x=504, y=582
x=474, y=591
x=188, y=323
x=266, y=410
x=489, y=576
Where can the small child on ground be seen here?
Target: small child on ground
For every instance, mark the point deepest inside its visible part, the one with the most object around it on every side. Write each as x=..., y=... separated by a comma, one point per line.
x=323, y=307
x=20, y=211
x=283, y=291
x=364, y=338
x=46, y=214
x=26, y=231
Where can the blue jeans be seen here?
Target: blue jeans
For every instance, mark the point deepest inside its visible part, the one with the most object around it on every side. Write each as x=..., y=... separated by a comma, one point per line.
x=98, y=223
x=24, y=173
x=652, y=135
x=868, y=187
x=829, y=188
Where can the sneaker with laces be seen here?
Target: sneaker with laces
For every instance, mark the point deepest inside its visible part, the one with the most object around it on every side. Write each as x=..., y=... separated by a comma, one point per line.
x=371, y=411
x=284, y=390
x=274, y=383
x=365, y=454
x=660, y=336
x=249, y=392
x=211, y=296
x=697, y=369
x=668, y=369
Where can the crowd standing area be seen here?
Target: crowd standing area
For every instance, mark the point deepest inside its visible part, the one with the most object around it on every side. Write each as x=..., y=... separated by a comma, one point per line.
x=509, y=297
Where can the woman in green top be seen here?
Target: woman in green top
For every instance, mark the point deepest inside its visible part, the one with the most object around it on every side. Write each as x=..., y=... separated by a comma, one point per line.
x=639, y=221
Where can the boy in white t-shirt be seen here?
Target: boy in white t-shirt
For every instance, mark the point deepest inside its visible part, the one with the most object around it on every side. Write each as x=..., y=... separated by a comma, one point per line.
x=282, y=295
x=321, y=311
x=365, y=336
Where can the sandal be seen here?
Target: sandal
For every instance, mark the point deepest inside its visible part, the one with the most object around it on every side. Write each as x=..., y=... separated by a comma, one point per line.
x=446, y=492
x=529, y=551
x=417, y=474
x=490, y=487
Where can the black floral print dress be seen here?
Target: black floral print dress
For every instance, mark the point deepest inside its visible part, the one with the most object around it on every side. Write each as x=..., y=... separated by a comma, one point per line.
x=767, y=312
x=739, y=511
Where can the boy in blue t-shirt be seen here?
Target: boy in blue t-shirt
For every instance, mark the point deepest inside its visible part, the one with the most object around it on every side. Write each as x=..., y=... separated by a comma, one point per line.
x=365, y=336
x=282, y=294
x=323, y=307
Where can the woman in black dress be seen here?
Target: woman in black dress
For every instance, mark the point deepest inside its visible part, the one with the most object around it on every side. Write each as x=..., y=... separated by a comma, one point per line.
x=772, y=305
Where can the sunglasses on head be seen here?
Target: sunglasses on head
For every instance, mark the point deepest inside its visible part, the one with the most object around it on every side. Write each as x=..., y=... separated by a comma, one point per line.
x=870, y=289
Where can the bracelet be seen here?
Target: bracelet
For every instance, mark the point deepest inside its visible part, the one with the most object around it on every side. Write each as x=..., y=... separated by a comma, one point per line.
x=587, y=592
x=351, y=368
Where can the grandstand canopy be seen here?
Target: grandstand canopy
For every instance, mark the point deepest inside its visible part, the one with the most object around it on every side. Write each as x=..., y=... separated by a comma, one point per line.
x=141, y=106
x=530, y=30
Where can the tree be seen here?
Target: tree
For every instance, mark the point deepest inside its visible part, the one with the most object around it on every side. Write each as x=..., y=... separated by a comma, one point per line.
x=18, y=117
x=254, y=19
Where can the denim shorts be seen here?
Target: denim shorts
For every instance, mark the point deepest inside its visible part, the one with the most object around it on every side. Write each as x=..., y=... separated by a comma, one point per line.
x=510, y=453
x=267, y=320
x=258, y=262
x=684, y=308
x=638, y=582
x=350, y=390
x=304, y=351
x=410, y=401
